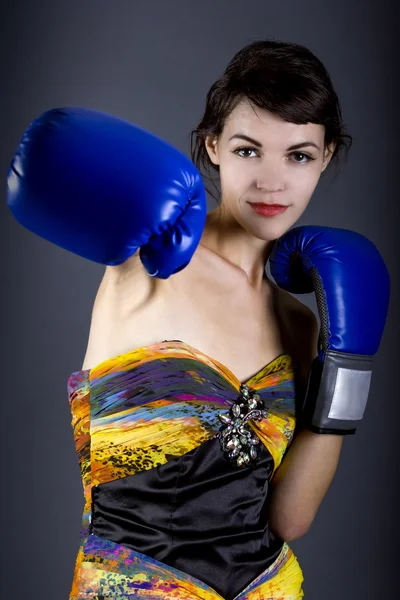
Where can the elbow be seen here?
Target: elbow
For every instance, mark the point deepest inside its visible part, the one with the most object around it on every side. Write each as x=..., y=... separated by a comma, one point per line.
x=295, y=534
x=290, y=531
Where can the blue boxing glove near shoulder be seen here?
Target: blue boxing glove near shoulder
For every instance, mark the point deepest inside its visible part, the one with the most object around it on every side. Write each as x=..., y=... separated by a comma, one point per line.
x=351, y=283
x=102, y=187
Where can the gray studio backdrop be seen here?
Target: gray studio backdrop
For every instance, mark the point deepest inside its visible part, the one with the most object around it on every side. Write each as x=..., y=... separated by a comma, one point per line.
x=152, y=63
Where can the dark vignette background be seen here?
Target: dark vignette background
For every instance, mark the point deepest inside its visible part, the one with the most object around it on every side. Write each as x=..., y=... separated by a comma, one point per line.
x=152, y=63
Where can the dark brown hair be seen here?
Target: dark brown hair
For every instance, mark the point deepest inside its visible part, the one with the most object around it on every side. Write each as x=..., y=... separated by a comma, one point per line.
x=285, y=78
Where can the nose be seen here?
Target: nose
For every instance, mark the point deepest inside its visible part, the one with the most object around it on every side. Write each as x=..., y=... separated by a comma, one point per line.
x=271, y=185
x=269, y=179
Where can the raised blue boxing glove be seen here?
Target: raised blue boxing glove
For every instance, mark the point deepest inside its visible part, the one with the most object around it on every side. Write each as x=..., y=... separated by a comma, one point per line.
x=102, y=187
x=352, y=288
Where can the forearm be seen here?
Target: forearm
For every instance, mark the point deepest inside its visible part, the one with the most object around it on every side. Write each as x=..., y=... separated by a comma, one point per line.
x=301, y=482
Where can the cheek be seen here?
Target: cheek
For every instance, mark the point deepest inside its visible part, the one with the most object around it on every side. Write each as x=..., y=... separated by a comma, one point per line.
x=305, y=182
x=233, y=180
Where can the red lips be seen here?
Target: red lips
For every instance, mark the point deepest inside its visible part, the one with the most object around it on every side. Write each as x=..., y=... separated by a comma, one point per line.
x=268, y=210
x=267, y=204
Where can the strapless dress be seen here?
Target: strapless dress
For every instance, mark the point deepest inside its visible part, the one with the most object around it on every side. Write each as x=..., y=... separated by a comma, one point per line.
x=176, y=479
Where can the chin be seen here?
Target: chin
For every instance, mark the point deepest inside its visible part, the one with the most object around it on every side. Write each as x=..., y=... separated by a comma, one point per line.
x=269, y=231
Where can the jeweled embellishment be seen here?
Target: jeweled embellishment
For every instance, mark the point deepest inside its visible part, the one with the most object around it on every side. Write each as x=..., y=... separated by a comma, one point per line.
x=237, y=439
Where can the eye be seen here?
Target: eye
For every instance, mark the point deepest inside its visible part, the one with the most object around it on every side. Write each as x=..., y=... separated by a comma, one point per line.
x=244, y=149
x=249, y=149
x=307, y=156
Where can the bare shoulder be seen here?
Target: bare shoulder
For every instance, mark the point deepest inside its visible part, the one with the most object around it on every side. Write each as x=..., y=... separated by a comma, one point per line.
x=124, y=290
x=303, y=327
x=302, y=318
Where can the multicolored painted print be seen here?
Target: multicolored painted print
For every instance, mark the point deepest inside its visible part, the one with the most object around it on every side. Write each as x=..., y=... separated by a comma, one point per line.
x=166, y=515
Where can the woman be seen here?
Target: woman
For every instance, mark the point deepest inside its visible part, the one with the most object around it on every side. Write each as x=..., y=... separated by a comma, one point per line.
x=188, y=409
x=271, y=126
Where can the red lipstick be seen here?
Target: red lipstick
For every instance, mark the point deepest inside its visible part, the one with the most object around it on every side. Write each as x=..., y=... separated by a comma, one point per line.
x=268, y=210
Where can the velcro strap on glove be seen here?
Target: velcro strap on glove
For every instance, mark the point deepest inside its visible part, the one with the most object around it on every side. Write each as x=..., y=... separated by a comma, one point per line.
x=337, y=393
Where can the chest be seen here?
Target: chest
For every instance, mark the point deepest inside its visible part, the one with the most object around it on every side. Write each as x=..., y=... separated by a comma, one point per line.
x=241, y=329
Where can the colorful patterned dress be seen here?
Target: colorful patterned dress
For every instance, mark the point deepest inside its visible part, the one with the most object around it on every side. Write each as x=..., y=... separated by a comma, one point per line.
x=171, y=510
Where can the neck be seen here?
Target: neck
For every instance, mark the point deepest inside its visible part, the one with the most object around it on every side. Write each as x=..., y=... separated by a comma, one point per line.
x=248, y=255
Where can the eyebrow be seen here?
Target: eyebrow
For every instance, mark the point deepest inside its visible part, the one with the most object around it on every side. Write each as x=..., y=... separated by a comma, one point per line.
x=259, y=145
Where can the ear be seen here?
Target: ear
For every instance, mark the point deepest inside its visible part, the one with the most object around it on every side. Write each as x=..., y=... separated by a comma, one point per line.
x=211, y=144
x=329, y=150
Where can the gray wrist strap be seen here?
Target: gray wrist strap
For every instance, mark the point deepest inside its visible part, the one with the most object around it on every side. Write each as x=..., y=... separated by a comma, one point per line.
x=337, y=393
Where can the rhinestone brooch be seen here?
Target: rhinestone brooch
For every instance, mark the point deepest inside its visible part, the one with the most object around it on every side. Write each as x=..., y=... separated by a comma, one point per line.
x=237, y=439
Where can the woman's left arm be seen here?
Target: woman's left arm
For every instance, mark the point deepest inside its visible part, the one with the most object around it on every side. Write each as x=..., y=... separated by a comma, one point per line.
x=309, y=465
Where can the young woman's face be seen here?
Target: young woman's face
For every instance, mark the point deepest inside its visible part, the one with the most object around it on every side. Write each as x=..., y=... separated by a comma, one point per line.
x=263, y=168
